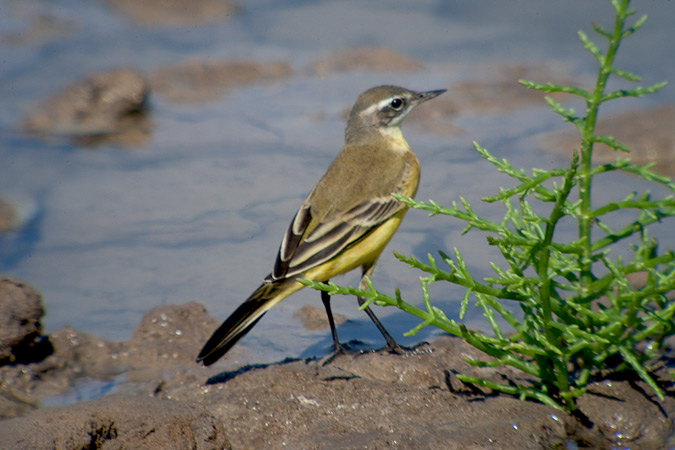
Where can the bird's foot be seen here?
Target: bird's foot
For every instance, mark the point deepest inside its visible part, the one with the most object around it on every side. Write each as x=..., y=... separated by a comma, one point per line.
x=342, y=350
x=396, y=349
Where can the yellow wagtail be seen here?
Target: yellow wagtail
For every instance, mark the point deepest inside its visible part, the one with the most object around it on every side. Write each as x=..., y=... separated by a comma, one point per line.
x=347, y=219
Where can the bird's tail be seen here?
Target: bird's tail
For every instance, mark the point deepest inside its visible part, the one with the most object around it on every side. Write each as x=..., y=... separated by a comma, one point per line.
x=245, y=317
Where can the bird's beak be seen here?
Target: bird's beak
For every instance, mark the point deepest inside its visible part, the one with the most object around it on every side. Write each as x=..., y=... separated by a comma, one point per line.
x=428, y=95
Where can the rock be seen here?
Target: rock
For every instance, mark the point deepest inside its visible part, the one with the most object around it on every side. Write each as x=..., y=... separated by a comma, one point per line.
x=168, y=336
x=626, y=417
x=20, y=328
x=371, y=400
x=499, y=91
x=104, y=105
x=202, y=81
x=116, y=422
x=75, y=357
x=378, y=400
x=167, y=340
x=648, y=133
x=369, y=57
x=175, y=12
x=78, y=354
x=494, y=91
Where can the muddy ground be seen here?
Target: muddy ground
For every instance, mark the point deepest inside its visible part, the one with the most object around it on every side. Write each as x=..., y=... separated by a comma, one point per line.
x=164, y=400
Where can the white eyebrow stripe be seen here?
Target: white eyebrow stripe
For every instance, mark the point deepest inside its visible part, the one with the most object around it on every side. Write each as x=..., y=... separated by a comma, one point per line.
x=386, y=101
x=378, y=106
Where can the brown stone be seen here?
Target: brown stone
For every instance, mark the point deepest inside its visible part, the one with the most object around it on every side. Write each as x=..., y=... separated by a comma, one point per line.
x=103, y=106
x=116, y=422
x=202, y=81
x=20, y=328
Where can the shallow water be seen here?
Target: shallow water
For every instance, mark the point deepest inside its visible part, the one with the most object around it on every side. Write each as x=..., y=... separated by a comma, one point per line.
x=198, y=212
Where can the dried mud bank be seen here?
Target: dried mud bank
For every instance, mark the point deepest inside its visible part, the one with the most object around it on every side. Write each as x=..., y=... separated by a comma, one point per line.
x=374, y=400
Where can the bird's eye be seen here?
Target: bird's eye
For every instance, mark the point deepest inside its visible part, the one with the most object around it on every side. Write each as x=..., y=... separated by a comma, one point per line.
x=396, y=103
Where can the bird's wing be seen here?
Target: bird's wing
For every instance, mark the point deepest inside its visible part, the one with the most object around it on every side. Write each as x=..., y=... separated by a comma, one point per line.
x=307, y=244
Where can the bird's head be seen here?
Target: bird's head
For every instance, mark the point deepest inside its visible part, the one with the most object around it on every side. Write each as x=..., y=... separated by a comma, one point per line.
x=379, y=111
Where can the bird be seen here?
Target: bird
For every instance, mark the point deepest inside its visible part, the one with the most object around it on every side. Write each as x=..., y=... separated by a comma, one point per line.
x=346, y=220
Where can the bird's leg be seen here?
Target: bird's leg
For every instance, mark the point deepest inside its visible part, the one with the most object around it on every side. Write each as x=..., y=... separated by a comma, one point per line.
x=391, y=343
x=339, y=349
